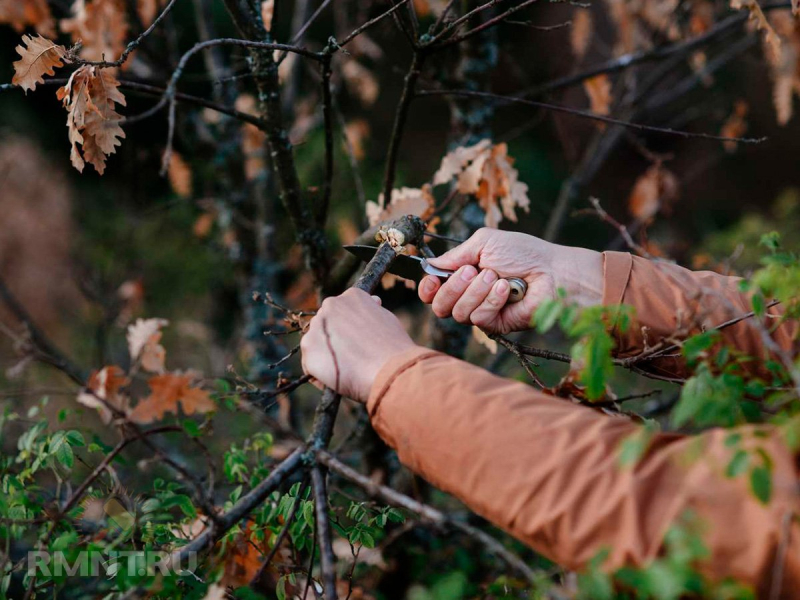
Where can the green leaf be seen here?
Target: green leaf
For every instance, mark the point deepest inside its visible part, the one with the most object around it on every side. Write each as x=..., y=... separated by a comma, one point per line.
x=759, y=307
x=761, y=483
x=65, y=456
x=738, y=464
x=75, y=438
x=546, y=315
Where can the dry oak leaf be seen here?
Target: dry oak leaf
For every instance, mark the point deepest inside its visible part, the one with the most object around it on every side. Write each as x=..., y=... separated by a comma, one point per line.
x=147, y=10
x=267, y=12
x=735, y=125
x=144, y=337
x=100, y=26
x=772, y=43
x=360, y=82
x=785, y=71
x=40, y=57
x=405, y=201
x=487, y=172
x=169, y=390
x=28, y=13
x=180, y=176
x=105, y=385
x=355, y=133
x=253, y=139
x=581, y=32
x=90, y=97
x=598, y=88
x=655, y=190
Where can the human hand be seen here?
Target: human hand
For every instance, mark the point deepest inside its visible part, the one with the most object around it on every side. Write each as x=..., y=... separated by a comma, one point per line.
x=480, y=298
x=349, y=340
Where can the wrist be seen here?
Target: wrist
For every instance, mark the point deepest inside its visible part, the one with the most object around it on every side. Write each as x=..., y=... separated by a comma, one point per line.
x=579, y=272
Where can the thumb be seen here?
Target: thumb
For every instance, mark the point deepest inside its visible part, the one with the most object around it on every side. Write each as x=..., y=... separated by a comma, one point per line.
x=468, y=253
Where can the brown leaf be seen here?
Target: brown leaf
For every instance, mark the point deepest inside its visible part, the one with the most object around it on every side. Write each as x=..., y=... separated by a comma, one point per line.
x=405, y=201
x=487, y=172
x=40, y=57
x=581, y=32
x=785, y=72
x=356, y=132
x=360, y=82
x=106, y=384
x=735, y=125
x=144, y=337
x=21, y=14
x=180, y=176
x=598, y=88
x=253, y=139
x=90, y=97
x=267, y=12
x=166, y=392
x=100, y=25
x=484, y=340
x=772, y=42
x=148, y=10
x=655, y=190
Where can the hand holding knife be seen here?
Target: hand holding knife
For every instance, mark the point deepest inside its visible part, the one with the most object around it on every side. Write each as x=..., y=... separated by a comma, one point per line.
x=414, y=267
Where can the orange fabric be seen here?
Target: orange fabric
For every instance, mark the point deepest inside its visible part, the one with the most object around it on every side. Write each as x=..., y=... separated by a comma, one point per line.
x=546, y=470
x=669, y=299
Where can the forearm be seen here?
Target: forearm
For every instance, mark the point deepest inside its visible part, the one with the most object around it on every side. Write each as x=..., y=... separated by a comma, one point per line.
x=671, y=303
x=546, y=470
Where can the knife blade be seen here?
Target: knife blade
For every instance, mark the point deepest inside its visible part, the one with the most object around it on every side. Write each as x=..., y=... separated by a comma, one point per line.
x=415, y=267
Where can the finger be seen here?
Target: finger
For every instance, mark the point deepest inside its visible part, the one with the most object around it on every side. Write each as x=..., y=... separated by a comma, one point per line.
x=428, y=287
x=377, y=300
x=451, y=291
x=476, y=293
x=468, y=253
x=486, y=314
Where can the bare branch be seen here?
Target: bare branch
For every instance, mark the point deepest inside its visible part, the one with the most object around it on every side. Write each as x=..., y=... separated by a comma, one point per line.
x=589, y=115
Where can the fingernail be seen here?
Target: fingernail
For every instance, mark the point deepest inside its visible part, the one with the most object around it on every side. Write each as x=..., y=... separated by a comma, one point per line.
x=428, y=285
x=502, y=286
x=468, y=273
x=489, y=276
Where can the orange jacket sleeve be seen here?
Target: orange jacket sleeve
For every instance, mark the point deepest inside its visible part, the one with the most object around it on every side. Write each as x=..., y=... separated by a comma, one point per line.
x=546, y=471
x=669, y=300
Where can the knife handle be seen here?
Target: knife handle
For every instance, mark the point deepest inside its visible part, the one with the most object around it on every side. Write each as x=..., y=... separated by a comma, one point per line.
x=518, y=289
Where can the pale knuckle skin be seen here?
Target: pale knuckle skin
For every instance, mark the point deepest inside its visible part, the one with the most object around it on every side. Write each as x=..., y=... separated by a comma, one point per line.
x=461, y=315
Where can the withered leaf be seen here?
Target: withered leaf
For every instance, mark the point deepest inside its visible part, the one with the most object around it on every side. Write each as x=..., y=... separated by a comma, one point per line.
x=655, y=190
x=598, y=88
x=144, y=337
x=106, y=385
x=90, y=97
x=21, y=14
x=168, y=391
x=487, y=172
x=40, y=57
x=100, y=25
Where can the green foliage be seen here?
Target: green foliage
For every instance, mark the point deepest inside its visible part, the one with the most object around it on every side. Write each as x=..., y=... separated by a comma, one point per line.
x=590, y=326
x=671, y=576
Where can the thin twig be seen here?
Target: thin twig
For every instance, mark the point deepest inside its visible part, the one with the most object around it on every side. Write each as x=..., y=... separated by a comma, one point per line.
x=589, y=115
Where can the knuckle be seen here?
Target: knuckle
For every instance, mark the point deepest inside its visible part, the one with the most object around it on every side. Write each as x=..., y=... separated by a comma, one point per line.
x=461, y=315
x=440, y=311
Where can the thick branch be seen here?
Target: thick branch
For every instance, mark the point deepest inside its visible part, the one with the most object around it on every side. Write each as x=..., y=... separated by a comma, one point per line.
x=428, y=513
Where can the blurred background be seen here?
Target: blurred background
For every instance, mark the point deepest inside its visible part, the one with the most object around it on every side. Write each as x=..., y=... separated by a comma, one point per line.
x=85, y=255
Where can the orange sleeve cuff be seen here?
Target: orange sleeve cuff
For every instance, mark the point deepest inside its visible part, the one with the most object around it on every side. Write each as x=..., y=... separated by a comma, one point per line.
x=393, y=368
x=617, y=267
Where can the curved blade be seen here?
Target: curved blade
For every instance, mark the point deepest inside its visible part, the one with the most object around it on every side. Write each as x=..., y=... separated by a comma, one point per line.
x=409, y=267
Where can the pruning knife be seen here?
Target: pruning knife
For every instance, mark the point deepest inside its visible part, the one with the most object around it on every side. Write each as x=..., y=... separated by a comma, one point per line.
x=414, y=267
